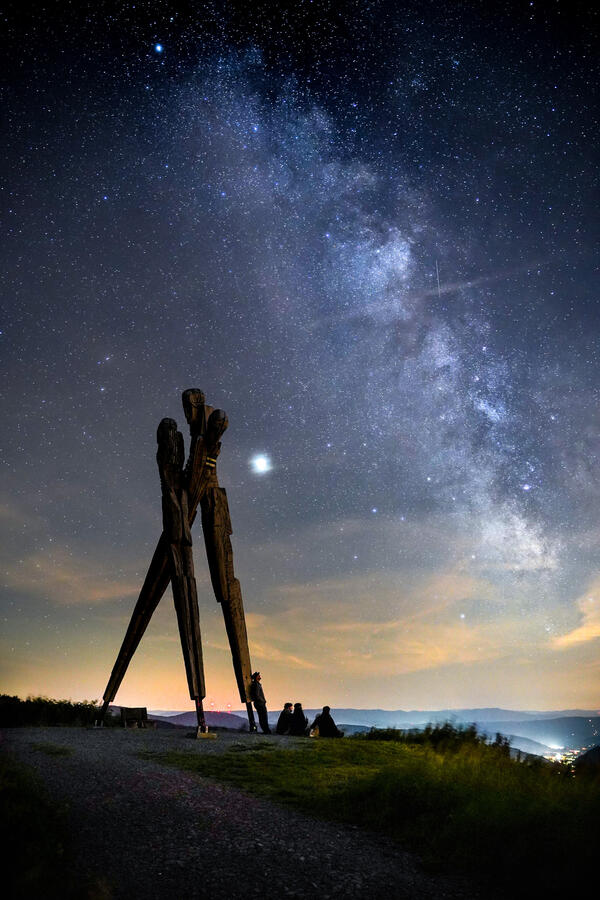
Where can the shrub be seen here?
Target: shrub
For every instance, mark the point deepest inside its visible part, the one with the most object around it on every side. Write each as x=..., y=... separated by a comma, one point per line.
x=445, y=737
x=15, y=712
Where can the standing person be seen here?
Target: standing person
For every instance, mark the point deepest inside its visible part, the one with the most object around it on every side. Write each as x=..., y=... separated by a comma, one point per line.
x=285, y=719
x=257, y=695
x=299, y=723
x=326, y=725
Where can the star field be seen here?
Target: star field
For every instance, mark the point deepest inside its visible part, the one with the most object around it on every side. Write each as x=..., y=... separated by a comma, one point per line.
x=368, y=231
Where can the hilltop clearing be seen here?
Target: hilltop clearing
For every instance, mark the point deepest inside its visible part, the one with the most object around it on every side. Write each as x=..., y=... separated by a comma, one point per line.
x=138, y=828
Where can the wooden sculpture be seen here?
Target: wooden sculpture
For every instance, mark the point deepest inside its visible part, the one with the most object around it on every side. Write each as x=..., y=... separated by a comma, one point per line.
x=183, y=490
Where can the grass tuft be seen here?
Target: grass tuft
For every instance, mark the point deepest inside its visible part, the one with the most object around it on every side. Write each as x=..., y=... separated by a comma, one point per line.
x=53, y=749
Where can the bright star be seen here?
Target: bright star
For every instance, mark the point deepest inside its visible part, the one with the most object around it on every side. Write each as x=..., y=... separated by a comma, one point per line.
x=261, y=463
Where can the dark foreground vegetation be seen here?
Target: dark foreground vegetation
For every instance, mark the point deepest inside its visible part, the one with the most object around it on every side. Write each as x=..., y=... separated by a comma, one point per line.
x=523, y=826
x=33, y=835
x=15, y=712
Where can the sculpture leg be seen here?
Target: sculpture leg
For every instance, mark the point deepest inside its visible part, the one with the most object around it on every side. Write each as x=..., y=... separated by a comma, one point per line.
x=251, y=719
x=216, y=526
x=200, y=715
x=153, y=588
x=188, y=620
x=181, y=561
x=186, y=608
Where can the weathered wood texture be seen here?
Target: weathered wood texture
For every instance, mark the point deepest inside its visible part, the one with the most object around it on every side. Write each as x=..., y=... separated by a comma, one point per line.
x=176, y=529
x=198, y=480
x=216, y=526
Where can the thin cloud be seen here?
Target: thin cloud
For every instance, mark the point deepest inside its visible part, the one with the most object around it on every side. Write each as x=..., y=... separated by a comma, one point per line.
x=275, y=637
x=589, y=629
x=68, y=581
x=352, y=630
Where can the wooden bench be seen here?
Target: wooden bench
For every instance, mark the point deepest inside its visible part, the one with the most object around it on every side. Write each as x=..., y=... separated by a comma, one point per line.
x=134, y=717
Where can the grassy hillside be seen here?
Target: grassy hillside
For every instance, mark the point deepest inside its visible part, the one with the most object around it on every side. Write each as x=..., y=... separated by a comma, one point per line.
x=462, y=804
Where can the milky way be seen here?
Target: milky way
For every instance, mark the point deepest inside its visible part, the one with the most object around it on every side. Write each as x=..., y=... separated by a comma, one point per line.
x=368, y=234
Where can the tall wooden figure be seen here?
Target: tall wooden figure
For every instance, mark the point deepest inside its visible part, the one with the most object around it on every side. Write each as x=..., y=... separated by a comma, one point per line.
x=183, y=490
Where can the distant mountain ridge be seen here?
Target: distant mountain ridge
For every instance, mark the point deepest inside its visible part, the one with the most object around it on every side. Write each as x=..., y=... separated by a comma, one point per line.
x=384, y=718
x=213, y=720
x=572, y=732
x=390, y=718
x=530, y=731
x=188, y=719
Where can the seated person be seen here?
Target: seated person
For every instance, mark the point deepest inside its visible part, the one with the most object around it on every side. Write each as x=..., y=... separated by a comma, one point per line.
x=299, y=723
x=285, y=719
x=326, y=725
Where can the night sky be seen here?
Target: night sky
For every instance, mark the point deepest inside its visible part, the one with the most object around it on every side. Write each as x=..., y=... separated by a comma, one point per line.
x=368, y=231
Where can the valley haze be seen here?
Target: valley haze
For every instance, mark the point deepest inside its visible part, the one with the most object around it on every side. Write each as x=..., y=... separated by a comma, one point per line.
x=532, y=731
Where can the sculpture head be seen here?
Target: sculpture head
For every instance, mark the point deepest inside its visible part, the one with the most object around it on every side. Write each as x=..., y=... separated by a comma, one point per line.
x=170, y=443
x=216, y=425
x=193, y=407
x=166, y=431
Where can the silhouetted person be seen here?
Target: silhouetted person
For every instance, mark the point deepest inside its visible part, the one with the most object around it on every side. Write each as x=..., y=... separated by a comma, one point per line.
x=299, y=723
x=326, y=725
x=284, y=721
x=257, y=695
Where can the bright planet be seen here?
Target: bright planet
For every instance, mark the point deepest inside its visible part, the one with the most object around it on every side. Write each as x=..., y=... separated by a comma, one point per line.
x=261, y=463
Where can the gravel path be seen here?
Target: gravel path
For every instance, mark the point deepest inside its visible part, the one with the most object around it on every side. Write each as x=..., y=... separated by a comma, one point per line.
x=140, y=829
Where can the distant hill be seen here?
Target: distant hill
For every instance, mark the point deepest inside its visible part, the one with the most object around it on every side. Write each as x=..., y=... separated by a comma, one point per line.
x=352, y=729
x=400, y=718
x=213, y=720
x=530, y=731
x=525, y=745
x=589, y=763
x=572, y=732
x=562, y=713
x=188, y=719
